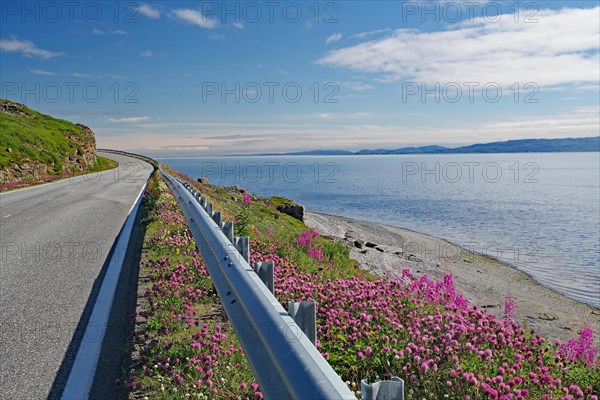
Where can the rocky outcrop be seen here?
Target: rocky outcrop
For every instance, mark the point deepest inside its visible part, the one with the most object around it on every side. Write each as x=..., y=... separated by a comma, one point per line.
x=84, y=150
x=15, y=109
x=293, y=210
x=288, y=206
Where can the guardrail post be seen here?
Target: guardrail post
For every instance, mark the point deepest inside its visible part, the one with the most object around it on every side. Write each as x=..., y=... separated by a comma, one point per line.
x=266, y=272
x=242, y=244
x=228, y=230
x=203, y=202
x=304, y=314
x=383, y=390
x=209, y=210
x=217, y=218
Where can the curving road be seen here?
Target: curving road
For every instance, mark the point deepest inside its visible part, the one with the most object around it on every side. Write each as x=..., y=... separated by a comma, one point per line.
x=54, y=241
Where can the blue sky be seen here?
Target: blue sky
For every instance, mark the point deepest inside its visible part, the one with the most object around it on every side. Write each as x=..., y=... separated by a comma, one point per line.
x=207, y=78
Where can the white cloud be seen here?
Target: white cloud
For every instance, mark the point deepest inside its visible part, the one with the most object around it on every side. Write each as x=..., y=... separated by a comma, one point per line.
x=76, y=74
x=333, y=38
x=195, y=18
x=149, y=11
x=238, y=25
x=363, y=35
x=128, y=120
x=42, y=72
x=339, y=116
x=356, y=85
x=561, y=49
x=97, y=31
x=27, y=48
x=80, y=75
x=151, y=54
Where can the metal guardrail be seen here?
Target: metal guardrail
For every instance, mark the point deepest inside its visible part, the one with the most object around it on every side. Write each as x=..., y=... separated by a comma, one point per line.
x=285, y=362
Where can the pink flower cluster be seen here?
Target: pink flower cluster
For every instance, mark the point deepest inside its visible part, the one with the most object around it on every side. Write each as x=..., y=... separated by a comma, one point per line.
x=424, y=332
x=582, y=348
x=307, y=238
x=509, y=309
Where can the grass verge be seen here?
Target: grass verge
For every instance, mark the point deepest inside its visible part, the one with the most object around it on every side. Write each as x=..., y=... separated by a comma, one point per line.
x=102, y=164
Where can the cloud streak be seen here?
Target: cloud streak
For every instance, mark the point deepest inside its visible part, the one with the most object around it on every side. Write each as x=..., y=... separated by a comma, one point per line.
x=42, y=72
x=195, y=18
x=149, y=11
x=128, y=120
x=336, y=37
x=27, y=48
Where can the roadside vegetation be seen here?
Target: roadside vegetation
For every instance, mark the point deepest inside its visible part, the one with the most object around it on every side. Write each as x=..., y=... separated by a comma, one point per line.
x=368, y=328
x=102, y=164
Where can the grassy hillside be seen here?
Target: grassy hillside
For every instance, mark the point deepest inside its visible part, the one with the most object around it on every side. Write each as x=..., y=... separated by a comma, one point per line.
x=37, y=148
x=32, y=136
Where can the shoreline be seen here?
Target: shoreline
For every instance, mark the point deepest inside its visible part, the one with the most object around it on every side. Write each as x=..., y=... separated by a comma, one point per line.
x=384, y=249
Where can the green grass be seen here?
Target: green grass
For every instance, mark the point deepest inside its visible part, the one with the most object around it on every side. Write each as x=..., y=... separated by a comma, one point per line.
x=280, y=201
x=40, y=138
x=278, y=232
x=102, y=164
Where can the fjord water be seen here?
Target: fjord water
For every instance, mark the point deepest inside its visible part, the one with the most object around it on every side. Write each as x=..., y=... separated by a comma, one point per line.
x=539, y=212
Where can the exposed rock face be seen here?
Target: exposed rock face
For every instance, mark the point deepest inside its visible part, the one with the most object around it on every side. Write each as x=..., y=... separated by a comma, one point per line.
x=293, y=210
x=84, y=154
x=15, y=109
x=27, y=171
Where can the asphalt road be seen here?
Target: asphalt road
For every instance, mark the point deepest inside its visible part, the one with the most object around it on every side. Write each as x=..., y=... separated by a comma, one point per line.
x=54, y=241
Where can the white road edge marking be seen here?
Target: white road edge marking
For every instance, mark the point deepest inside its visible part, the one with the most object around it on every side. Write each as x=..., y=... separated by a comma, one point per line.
x=84, y=367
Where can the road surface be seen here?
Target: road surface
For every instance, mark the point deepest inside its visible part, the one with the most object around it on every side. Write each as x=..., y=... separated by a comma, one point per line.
x=54, y=241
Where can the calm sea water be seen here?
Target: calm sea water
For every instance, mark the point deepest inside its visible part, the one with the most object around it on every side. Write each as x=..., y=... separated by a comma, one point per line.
x=539, y=212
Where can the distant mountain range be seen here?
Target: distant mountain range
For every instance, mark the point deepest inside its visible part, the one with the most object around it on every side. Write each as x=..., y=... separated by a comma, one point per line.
x=585, y=144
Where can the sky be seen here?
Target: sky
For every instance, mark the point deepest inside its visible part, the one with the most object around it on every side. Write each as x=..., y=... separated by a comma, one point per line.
x=211, y=78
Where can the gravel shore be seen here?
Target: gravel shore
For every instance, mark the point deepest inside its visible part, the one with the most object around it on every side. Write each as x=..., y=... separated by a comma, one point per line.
x=382, y=249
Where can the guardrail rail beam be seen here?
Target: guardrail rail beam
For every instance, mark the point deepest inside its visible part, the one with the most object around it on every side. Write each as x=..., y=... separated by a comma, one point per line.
x=285, y=362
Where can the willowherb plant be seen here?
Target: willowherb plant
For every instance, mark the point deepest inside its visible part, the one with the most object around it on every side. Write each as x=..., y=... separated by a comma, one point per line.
x=509, y=309
x=242, y=219
x=307, y=238
x=581, y=349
